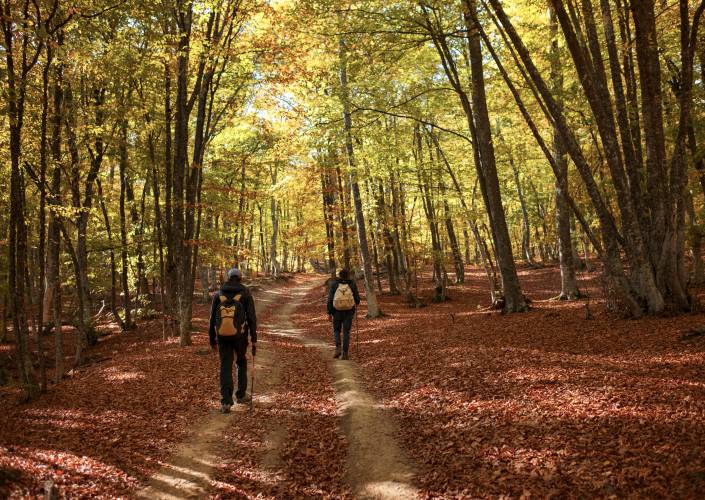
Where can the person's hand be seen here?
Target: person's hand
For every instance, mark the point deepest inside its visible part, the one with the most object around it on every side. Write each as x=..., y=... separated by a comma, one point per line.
x=214, y=348
x=330, y=318
x=254, y=349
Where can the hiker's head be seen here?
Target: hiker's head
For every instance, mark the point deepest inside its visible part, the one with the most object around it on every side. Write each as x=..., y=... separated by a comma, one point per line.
x=344, y=274
x=234, y=274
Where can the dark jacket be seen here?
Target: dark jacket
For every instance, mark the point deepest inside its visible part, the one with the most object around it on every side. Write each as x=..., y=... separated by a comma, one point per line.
x=331, y=294
x=232, y=288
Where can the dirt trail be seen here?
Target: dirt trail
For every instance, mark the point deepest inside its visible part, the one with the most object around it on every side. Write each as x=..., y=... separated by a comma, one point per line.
x=190, y=469
x=377, y=467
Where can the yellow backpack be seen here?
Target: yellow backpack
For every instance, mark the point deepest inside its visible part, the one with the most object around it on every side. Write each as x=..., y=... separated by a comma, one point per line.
x=231, y=316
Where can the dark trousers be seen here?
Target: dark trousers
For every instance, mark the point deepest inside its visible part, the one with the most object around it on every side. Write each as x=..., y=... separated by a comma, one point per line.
x=342, y=320
x=231, y=348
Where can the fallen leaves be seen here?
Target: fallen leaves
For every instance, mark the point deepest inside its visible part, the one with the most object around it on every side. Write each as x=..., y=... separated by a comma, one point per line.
x=538, y=404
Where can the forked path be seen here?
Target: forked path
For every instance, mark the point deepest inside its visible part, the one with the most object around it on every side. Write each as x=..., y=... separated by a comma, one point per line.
x=377, y=466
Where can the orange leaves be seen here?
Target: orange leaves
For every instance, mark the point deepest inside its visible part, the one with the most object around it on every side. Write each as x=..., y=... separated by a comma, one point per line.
x=538, y=405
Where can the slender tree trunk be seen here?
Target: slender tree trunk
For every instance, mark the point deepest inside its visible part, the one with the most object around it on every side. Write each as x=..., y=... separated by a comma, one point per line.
x=5, y=314
x=241, y=213
x=113, y=267
x=275, y=228
x=569, y=284
x=343, y=215
x=513, y=297
x=179, y=247
x=430, y=211
x=390, y=258
x=137, y=221
x=327, y=191
x=16, y=86
x=123, y=160
x=54, y=235
x=525, y=226
x=696, y=242
x=41, y=251
x=373, y=309
x=83, y=204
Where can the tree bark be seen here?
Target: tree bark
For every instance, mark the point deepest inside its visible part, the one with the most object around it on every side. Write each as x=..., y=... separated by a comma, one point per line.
x=113, y=268
x=54, y=235
x=569, y=285
x=373, y=309
x=513, y=297
x=274, y=263
x=123, y=160
x=343, y=216
x=327, y=191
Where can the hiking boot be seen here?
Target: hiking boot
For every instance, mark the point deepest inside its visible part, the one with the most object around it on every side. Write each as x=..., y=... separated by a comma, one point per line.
x=345, y=356
x=224, y=408
x=244, y=400
x=337, y=353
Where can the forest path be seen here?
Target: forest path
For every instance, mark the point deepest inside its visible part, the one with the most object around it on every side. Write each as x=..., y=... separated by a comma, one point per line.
x=189, y=471
x=377, y=466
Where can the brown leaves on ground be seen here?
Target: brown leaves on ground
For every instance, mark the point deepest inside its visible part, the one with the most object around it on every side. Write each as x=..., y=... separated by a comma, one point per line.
x=538, y=404
x=105, y=428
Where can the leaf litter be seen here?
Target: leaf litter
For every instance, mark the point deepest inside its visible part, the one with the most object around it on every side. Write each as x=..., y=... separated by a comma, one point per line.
x=541, y=404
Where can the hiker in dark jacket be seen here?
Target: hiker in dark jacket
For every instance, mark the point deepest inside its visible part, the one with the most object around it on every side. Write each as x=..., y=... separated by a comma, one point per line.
x=342, y=319
x=228, y=346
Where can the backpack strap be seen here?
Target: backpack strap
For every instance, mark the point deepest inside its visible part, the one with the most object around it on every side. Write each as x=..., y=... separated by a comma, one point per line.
x=237, y=297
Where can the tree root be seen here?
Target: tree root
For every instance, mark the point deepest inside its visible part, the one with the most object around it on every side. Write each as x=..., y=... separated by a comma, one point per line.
x=693, y=334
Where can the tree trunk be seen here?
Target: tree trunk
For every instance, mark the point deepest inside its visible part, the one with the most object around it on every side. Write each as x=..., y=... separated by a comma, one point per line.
x=17, y=267
x=696, y=243
x=328, y=203
x=83, y=206
x=5, y=314
x=513, y=297
x=113, y=269
x=569, y=285
x=179, y=248
x=53, y=281
x=343, y=215
x=373, y=309
x=390, y=257
x=525, y=226
x=275, y=228
x=430, y=211
x=123, y=160
x=41, y=251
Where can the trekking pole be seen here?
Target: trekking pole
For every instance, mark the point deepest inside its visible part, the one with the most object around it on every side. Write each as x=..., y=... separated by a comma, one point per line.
x=357, y=335
x=252, y=390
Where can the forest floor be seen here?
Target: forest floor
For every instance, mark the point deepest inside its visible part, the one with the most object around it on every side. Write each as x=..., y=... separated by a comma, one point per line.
x=444, y=401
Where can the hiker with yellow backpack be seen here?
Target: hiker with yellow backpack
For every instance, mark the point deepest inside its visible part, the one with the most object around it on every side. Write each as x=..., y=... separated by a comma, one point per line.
x=233, y=317
x=343, y=298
